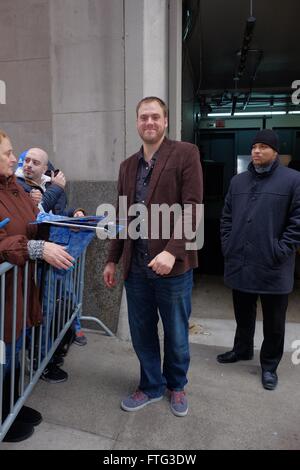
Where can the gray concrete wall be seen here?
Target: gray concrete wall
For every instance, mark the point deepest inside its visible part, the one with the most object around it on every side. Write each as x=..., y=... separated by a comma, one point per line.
x=25, y=68
x=87, y=66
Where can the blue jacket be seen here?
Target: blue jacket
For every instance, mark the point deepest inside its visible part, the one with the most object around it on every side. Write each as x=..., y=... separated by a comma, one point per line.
x=54, y=198
x=260, y=230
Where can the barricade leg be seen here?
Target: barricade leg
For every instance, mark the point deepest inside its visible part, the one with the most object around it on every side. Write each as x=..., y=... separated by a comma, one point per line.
x=19, y=430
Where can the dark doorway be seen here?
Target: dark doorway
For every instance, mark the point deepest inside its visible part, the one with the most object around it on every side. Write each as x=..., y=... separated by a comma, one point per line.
x=217, y=150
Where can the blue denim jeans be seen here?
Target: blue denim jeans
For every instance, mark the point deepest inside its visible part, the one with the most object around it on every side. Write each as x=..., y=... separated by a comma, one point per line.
x=49, y=306
x=8, y=355
x=172, y=297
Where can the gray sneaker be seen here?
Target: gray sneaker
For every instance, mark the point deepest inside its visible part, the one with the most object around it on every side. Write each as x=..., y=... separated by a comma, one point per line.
x=179, y=404
x=137, y=400
x=80, y=339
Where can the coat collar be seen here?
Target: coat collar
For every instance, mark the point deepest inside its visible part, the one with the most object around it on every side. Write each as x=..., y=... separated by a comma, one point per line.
x=275, y=164
x=8, y=183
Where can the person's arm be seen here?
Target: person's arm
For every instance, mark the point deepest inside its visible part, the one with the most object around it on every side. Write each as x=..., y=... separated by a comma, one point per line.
x=290, y=238
x=115, y=248
x=226, y=220
x=13, y=248
x=116, y=245
x=17, y=249
x=51, y=197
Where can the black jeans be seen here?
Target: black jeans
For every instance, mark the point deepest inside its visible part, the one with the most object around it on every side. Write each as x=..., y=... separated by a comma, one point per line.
x=274, y=313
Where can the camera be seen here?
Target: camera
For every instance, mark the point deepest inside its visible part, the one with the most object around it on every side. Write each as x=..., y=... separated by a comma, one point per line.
x=48, y=172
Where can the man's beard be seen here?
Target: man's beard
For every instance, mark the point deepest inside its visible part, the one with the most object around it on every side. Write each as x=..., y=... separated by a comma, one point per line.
x=28, y=176
x=152, y=140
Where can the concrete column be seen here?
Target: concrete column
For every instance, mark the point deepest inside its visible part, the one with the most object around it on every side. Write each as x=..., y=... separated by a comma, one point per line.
x=175, y=69
x=87, y=68
x=146, y=59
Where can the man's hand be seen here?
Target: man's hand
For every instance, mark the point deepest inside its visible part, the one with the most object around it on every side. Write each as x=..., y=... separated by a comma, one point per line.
x=57, y=256
x=109, y=275
x=59, y=179
x=78, y=214
x=162, y=263
x=36, y=196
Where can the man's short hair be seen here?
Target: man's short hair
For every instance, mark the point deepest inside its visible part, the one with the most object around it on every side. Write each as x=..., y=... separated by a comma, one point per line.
x=42, y=152
x=148, y=99
x=2, y=136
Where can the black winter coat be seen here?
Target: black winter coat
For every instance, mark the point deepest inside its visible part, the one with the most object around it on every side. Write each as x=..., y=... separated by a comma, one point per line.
x=260, y=230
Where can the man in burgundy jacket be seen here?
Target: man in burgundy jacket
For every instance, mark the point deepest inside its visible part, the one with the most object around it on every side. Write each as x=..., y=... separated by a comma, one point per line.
x=158, y=270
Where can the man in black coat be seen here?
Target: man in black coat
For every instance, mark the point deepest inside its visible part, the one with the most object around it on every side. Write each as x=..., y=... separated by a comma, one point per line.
x=260, y=232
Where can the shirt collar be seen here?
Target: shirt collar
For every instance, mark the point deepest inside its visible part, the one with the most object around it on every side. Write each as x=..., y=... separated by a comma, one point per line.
x=141, y=156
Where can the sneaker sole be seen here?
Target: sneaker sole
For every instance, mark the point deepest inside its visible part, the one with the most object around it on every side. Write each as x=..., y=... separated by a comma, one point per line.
x=269, y=387
x=136, y=408
x=51, y=381
x=179, y=413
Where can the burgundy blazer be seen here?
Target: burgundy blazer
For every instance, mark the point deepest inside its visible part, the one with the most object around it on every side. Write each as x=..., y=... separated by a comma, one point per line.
x=176, y=178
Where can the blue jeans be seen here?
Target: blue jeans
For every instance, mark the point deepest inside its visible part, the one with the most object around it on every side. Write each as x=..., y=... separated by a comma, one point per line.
x=49, y=306
x=172, y=297
x=76, y=324
x=8, y=355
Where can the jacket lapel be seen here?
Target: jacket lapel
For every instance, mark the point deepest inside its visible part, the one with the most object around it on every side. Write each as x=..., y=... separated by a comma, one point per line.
x=131, y=179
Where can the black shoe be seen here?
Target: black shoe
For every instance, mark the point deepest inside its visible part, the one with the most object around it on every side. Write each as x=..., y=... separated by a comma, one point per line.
x=54, y=374
x=29, y=416
x=18, y=432
x=269, y=380
x=58, y=360
x=232, y=356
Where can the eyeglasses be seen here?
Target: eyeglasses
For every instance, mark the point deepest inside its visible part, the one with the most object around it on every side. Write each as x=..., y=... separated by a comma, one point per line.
x=34, y=162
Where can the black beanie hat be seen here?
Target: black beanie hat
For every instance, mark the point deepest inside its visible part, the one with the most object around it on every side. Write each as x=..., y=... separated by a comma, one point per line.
x=268, y=137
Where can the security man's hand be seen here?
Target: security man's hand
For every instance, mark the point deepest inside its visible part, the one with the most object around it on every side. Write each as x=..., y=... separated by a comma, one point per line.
x=162, y=263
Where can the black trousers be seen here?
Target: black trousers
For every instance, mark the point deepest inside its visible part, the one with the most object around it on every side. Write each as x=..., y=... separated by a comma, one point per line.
x=274, y=309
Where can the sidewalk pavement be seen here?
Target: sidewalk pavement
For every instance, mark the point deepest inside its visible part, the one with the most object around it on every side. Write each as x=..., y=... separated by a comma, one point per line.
x=228, y=407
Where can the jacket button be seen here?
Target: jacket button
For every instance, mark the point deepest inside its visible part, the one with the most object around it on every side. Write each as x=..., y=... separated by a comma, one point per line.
x=249, y=220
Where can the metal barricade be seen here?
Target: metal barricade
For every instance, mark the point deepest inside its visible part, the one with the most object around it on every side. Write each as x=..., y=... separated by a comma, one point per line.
x=61, y=297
